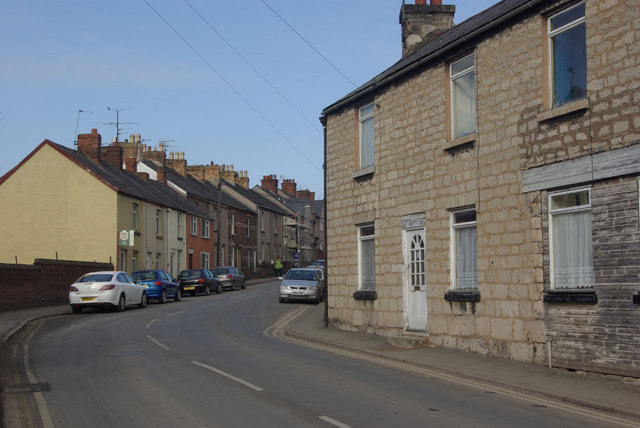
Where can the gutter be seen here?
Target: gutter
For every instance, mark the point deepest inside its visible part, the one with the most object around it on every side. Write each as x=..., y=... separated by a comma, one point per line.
x=410, y=67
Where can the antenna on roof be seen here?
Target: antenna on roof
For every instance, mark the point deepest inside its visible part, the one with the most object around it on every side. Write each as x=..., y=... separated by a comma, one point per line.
x=117, y=123
x=164, y=145
x=75, y=135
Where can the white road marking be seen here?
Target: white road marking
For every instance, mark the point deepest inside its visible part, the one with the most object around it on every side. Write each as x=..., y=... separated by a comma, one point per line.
x=43, y=410
x=176, y=313
x=150, y=322
x=227, y=375
x=333, y=422
x=166, y=348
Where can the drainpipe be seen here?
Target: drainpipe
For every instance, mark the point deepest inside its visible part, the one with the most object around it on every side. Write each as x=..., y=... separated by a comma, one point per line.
x=549, y=340
x=325, y=319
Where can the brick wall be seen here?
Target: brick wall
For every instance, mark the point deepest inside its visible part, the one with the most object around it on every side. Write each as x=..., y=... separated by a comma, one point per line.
x=46, y=282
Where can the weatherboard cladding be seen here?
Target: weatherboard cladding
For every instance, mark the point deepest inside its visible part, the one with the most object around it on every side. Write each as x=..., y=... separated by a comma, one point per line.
x=471, y=28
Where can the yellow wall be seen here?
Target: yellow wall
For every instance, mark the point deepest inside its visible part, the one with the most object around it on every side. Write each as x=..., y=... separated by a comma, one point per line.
x=51, y=205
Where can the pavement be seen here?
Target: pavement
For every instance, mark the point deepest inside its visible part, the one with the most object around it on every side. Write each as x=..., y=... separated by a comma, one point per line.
x=552, y=385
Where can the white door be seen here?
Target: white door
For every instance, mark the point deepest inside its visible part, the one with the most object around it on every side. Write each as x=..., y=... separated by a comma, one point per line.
x=415, y=280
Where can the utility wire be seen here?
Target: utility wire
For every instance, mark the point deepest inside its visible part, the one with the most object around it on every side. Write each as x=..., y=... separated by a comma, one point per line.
x=310, y=45
x=233, y=88
x=253, y=68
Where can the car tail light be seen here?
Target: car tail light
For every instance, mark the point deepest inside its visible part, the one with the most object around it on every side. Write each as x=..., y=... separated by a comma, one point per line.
x=229, y=276
x=201, y=280
x=73, y=288
x=107, y=287
x=157, y=283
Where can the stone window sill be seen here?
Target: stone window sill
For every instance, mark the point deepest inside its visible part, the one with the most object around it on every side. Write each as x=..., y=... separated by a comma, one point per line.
x=586, y=297
x=563, y=110
x=364, y=173
x=462, y=296
x=461, y=143
x=365, y=295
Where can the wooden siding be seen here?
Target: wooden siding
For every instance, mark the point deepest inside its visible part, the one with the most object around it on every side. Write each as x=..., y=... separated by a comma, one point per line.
x=604, y=337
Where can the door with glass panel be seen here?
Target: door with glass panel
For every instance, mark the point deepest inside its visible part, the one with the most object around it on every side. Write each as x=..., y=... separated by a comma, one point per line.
x=415, y=280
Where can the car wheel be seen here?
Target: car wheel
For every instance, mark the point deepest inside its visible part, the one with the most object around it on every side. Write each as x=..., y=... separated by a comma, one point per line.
x=122, y=303
x=206, y=290
x=76, y=309
x=219, y=289
x=178, y=296
x=193, y=293
x=163, y=297
x=244, y=285
x=143, y=300
x=282, y=300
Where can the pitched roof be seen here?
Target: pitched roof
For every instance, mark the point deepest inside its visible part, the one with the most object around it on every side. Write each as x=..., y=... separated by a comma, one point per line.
x=462, y=33
x=261, y=201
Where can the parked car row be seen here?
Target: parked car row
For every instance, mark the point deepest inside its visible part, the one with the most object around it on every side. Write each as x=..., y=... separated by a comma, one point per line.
x=117, y=290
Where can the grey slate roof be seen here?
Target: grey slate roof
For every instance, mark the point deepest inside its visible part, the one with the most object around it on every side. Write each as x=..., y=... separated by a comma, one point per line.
x=473, y=27
x=257, y=198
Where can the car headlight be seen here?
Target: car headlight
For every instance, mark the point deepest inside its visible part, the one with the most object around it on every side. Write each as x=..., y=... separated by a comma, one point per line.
x=312, y=288
x=283, y=287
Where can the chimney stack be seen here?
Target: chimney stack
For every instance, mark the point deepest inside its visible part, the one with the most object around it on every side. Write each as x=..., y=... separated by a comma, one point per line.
x=289, y=186
x=422, y=22
x=162, y=174
x=131, y=165
x=270, y=182
x=243, y=179
x=90, y=145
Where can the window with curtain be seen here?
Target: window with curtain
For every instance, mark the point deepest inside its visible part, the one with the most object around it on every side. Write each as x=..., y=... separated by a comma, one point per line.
x=571, y=248
x=464, y=250
x=366, y=135
x=463, y=100
x=194, y=225
x=204, y=228
x=367, y=258
x=567, y=38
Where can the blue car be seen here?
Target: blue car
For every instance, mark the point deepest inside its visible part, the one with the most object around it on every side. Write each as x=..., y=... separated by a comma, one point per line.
x=159, y=284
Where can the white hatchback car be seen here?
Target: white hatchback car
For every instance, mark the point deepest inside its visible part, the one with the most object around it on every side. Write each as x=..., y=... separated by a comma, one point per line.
x=112, y=289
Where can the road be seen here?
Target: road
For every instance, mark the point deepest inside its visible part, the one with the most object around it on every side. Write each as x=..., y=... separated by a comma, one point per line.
x=214, y=362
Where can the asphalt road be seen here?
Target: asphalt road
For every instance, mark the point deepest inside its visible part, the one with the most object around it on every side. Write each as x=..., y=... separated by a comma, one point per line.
x=212, y=362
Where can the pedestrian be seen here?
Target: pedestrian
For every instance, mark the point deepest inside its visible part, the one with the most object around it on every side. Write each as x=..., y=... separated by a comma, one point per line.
x=278, y=266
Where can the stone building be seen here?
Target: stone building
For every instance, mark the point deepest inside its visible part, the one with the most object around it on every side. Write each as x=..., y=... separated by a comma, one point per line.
x=482, y=192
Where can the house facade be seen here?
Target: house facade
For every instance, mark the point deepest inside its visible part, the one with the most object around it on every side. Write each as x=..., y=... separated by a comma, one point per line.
x=482, y=193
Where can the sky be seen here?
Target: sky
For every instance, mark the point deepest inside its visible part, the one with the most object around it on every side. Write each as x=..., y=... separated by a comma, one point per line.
x=239, y=83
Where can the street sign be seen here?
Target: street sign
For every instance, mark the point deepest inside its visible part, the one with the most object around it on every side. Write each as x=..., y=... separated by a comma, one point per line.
x=296, y=256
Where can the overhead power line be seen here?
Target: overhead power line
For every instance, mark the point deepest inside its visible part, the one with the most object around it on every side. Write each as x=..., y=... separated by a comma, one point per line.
x=308, y=43
x=251, y=106
x=253, y=68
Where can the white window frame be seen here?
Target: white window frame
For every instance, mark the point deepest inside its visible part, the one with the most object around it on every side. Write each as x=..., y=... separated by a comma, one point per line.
x=584, y=208
x=368, y=283
x=553, y=33
x=366, y=114
x=204, y=226
x=233, y=223
x=158, y=222
x=179, y=220
x=456, y=76
x=194, y=225
x=454, y=229
x=134, y=214
x=275, y=225
x=204, y=260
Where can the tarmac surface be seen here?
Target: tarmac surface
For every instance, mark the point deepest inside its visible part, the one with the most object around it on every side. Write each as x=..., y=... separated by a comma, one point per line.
x=594, y=391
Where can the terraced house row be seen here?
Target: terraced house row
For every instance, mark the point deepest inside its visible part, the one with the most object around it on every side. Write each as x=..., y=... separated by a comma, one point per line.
x=142, y=208
x=483, y=191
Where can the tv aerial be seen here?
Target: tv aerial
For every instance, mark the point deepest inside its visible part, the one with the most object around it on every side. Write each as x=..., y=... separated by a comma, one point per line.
x=75, y=135
x=117, y=123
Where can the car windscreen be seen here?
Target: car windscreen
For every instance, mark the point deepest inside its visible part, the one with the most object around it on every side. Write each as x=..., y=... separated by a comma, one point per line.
x=144, y=276
x=187, y=274
x=301, y=275
x=101, y=277
x=220, y=271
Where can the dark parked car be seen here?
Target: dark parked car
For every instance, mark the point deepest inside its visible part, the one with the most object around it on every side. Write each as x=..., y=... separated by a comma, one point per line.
x=193, y=281
x=230, y=277
x=159, y=284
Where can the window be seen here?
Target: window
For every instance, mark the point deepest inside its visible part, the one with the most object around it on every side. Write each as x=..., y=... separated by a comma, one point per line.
x=366, y=135
x=568, y=48
x=463, y=100
x=366, y=258
x=158, y=222
x=215, y=219
x=179, y=216
x=158, y=258
x=204, y=228
x=233, y=223
x=134, y=215
x=194, y=226
x=249, y=227
x=275, y=226
x=147, y=261
x=570, y=239
x=134, y=261
x=464, y=250
x=123, y=259
x=204, y=260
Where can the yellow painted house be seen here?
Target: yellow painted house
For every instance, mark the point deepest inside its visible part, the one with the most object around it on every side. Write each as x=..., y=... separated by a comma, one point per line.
x=75, y=204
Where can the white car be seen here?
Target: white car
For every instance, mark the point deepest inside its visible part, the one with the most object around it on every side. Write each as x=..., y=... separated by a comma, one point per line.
x=106, y=290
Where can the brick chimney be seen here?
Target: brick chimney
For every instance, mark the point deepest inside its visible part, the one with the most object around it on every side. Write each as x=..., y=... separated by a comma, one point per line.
x=243, y=179
x=289, y=186
x=90, y=145
x=158, y=156
x=270, y=182
x=303, y=194
x=177, y=162
x=162, y=174
x=113, y=155
x=422, y=22
x=212, y=172
x=312, y=196
x=131, y=165
x=197, y=171
x=228, y=173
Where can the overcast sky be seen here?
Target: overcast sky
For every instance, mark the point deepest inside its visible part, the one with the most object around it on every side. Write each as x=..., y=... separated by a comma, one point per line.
x=164, y=64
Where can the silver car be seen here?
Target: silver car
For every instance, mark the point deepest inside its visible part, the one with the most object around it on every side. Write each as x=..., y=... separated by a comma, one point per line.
x=229, y=277
x=302, y=284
